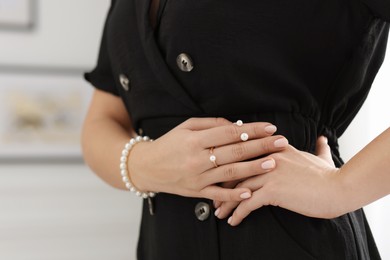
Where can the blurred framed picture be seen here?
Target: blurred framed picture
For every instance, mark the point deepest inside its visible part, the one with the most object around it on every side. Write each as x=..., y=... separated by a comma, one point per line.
x=17, y=14
x=41, y=115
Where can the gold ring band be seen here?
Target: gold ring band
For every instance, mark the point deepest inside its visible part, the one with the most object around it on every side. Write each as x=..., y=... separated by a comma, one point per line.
x=213, y=158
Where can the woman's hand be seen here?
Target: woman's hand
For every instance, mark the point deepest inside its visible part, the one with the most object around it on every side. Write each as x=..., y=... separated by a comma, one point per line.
x=179, y=161
x=300, y=182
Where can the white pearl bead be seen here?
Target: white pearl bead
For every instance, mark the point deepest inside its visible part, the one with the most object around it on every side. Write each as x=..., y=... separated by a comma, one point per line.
x=244, y=137
x=124, y=173
x=239, y=122
x=123, y=166
x=213, y=158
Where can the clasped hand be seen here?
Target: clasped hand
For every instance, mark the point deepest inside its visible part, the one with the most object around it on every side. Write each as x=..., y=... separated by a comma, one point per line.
x=179, y=163
x=300, y=181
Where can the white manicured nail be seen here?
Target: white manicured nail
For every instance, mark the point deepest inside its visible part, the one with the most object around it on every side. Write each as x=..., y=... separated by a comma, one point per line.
x=269, y=164
x=217, y=212
x=282, y=142
x=245, y=195
x=230, y=220
x=270, y=129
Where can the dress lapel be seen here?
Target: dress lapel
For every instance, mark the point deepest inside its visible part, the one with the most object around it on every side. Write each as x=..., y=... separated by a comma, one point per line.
x=155, y=59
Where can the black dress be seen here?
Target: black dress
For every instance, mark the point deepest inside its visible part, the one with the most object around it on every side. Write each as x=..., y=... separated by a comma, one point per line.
x=304, y=65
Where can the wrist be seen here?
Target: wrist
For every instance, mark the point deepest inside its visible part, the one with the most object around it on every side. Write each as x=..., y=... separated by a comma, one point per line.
x=339, y=193
x=127, y=177
x=138, y=167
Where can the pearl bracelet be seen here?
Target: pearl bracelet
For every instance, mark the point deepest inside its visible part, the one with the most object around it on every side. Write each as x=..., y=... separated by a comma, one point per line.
x=125, y=172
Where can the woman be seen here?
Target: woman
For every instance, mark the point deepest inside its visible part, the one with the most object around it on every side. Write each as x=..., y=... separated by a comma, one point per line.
x=182, y=72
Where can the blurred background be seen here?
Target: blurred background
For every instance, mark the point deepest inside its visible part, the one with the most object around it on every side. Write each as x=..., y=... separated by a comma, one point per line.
x=51, y=205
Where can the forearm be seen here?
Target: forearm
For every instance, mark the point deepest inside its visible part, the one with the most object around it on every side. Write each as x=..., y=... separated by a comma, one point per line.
x=366, y=177
x=107, y=127
x=102, y=142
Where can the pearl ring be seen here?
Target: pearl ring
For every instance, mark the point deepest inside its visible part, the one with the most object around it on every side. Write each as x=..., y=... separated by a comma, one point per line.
x=213, y=158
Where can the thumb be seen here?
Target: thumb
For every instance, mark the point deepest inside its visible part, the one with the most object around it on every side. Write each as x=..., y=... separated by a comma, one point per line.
x=323, y=150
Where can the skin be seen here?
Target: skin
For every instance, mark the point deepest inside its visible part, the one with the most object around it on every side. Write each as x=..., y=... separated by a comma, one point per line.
x=295, y=180
x=177, y=162
x=310, y=186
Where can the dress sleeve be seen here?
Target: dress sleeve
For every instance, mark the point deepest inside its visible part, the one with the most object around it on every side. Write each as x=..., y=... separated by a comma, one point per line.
x=101, y=77
x=380, y=8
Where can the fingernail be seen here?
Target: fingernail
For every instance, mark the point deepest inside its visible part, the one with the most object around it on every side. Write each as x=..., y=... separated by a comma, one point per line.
x=245, y=195
x=230, y=220
x=269, y=164
x=282, y=142
x=217, y=212
x=270, y=129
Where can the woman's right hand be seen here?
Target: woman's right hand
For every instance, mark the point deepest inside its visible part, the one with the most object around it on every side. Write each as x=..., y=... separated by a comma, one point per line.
x=178, y=162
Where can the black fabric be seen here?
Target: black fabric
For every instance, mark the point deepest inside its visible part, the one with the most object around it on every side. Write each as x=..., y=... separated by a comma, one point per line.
x=380, y=8
x=306, y=66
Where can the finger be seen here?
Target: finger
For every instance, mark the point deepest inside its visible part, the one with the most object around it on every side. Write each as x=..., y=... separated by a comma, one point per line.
x=323, y=150
x=229, y=184
x=217, y=204
x=197, y=124
x=225, y=209
x=257, y=201
x=214, y=192
x=253, y=183
x=247, y=150
x=321, y=145
x=237, y=171
x=231, y=133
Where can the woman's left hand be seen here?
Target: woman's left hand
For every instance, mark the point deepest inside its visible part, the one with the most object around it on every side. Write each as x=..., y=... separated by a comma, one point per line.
x=301, y=182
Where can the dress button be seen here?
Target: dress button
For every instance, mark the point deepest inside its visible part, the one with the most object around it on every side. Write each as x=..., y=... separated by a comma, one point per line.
x=202, y=211
x=184, y=62
x=124, y=82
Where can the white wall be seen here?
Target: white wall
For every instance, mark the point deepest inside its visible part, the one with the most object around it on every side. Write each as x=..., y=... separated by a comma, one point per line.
x=62, y=211
x=67, y=35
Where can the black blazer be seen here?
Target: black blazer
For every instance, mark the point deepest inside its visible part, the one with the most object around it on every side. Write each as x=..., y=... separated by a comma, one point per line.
x=306, y=66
